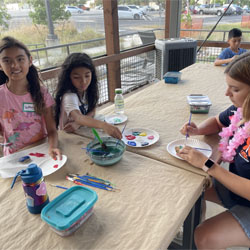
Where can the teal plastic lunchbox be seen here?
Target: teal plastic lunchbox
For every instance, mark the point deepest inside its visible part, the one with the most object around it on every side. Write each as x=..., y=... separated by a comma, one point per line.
x=67, y=212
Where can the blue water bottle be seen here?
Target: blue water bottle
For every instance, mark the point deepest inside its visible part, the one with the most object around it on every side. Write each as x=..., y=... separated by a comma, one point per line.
x=34, y=188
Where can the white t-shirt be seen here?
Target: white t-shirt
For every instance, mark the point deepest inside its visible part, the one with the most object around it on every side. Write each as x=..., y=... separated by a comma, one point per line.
x=70, y=102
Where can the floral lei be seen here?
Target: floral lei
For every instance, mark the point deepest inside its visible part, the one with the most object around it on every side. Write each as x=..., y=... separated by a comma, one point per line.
x=229, y=145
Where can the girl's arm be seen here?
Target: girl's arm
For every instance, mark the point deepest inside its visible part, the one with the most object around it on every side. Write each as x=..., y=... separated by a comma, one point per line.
x=85, y=120
x=54, y=151
x=235, y=183
x=71, y=127
x=210, y=126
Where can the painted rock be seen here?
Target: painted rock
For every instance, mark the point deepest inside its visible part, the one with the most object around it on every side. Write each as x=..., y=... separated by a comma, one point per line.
x=131, y=143
x=130, y=137
x=144, y=143
x=142, y=134
x=151, y=137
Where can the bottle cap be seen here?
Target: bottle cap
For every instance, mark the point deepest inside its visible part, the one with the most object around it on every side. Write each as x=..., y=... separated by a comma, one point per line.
x=118, y=91
x=32, y=174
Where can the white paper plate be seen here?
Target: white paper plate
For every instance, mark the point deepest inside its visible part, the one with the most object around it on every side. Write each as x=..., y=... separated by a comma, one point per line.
x=116, y=118
x=140, y=140
x=47, y=166
x=99, y=117
x=50, y=166
x=189, y=142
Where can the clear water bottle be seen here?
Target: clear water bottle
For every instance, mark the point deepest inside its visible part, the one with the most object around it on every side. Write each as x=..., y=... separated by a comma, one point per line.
x=34, y=188
x=119, y=101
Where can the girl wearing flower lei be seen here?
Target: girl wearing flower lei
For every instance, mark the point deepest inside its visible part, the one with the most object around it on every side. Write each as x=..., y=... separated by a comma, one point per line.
x=231, y=188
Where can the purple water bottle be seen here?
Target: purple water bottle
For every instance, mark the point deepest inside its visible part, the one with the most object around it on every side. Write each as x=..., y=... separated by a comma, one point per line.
x=34, y=188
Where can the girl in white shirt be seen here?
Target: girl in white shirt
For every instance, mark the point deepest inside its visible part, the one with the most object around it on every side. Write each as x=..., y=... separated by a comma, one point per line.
x=77, y=96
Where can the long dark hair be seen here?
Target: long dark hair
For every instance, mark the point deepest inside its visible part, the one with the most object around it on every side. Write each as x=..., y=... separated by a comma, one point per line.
x=34, y=82
x=239, y=70
x=76, y=60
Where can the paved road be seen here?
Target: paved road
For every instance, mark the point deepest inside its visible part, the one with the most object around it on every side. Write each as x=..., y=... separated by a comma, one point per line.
x=94, y=19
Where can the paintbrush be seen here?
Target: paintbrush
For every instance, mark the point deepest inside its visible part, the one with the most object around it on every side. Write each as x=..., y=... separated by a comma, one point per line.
x=122, y=133
x=188, y=124
x=103, y=145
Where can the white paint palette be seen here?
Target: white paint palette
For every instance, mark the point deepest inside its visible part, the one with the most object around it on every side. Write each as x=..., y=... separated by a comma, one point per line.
x=140, y=137
x=116, y=119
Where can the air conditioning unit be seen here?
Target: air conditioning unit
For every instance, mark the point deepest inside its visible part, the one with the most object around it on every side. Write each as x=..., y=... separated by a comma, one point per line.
x=174, y=54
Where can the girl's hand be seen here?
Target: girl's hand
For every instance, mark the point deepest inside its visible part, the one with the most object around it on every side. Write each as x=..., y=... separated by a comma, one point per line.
x=112, y=130
x=54, y=153
x=71, y=127
x=190, y=129
x=193, y=156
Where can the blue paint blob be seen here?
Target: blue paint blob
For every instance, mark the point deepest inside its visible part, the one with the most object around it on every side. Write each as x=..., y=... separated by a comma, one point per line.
x=131, y=143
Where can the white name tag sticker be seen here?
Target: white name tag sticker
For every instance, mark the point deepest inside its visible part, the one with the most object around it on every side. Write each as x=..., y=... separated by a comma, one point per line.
x=28, y=107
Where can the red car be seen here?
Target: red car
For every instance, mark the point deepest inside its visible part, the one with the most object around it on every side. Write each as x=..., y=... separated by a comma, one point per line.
x=83, y=7
x=192, y=10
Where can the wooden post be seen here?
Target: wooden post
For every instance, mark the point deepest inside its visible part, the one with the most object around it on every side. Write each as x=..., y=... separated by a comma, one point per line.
x=167, y=18
x=173, y=18
x=112, y=45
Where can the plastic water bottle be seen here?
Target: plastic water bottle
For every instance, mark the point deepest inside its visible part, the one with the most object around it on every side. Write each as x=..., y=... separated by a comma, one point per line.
x=34, y=188
x=119, y=101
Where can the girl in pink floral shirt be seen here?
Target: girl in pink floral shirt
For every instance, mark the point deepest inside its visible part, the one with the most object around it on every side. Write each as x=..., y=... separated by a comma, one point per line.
x=26, y=107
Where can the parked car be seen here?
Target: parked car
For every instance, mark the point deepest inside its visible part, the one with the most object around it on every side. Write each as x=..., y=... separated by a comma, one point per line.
x=124, y=12
x=83, y=7
x=147, y=8
x=214, y=9
x=246, y=9
x=135, y=7
x=237, y=10
x=192, y=10
x=73, y=10
x=99, y=7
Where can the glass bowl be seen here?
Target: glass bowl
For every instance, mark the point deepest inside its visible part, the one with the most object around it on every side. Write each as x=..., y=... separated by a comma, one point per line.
x=108, y=157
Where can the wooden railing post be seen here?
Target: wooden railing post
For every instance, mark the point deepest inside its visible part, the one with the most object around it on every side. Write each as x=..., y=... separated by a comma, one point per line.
x=112, y=45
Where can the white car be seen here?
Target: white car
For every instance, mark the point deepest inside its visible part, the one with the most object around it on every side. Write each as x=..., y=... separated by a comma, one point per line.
x=136, y=8
x=124, y=12
x=73, y=10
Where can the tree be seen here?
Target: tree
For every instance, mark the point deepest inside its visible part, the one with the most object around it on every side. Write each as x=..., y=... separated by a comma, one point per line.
x=4, y=16
x=58, y=13
x=76, y=2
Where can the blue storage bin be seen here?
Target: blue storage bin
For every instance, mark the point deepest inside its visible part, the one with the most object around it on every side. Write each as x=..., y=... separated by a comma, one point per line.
x=67, y=212
x=172, y=77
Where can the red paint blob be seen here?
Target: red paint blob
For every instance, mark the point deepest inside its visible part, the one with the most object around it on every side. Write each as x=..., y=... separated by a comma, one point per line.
x=37, y=154
x=55, y=166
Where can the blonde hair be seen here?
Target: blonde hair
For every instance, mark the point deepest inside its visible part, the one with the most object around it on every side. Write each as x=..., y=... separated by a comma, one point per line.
x=239, y=70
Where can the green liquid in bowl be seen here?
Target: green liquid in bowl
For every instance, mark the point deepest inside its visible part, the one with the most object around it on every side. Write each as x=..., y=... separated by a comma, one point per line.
x=108, y=157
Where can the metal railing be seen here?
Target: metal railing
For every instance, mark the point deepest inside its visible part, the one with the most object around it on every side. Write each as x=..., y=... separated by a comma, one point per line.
x=133, y=72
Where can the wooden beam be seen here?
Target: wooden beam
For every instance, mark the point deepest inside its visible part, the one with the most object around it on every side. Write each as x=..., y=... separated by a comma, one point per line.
x=167, y=18
x=112, y=45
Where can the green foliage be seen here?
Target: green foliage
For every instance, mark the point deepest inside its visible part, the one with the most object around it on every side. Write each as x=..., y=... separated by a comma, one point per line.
x=57, y=8
x=4, y=16
x=76, y=2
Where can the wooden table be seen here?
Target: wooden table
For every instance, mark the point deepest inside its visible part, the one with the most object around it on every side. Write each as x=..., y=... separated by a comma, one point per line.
x=154, y=200
x=163, y=107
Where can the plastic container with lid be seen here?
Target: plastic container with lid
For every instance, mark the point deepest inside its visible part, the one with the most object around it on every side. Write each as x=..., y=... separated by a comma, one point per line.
x=172, y=77
x=199, y=103
x=67, y=212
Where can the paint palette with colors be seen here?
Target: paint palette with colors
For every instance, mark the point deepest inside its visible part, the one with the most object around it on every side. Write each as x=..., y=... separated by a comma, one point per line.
x=140, y=137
